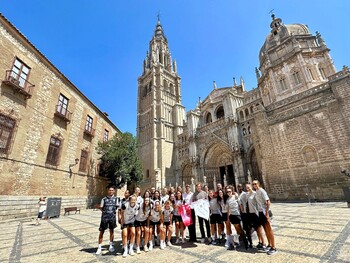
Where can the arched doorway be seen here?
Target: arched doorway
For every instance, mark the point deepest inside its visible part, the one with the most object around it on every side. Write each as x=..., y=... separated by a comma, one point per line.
x=255, y=171
x=218, y=162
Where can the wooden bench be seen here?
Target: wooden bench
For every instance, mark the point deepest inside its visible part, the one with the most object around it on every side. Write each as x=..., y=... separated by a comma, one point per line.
x=71, y=209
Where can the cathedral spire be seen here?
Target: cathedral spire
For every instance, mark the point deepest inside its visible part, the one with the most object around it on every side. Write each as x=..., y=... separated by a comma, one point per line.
x=158, y=32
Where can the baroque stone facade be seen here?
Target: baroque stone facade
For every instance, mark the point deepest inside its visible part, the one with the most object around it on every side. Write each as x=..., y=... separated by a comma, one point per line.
x=49, y=131
x=292, y=132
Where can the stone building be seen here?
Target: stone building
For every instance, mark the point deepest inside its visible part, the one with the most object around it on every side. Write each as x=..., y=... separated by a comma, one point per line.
x=49, y=131
x=292, y=132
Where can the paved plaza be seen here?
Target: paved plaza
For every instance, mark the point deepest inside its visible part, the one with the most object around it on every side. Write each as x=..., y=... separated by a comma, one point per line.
x=304, y=233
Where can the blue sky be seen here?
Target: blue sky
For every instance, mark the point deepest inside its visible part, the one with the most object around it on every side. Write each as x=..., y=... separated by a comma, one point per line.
x=100, y=45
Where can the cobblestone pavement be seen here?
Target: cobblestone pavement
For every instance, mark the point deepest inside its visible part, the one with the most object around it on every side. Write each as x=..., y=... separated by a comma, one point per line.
x=304, y=233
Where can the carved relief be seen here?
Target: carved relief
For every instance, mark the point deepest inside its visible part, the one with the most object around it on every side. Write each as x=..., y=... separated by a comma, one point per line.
x=309, y=154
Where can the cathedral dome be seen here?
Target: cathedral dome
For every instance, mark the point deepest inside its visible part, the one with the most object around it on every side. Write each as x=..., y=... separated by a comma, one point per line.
x=280, y=32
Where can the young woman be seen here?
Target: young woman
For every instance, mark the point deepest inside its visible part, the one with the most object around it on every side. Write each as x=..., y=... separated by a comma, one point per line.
x=234, y=214
x=179, y=225
x=243, y=203
x=147, y=194
x=156, y=223
x=168, y=221
x=164, y=197
x=139, y=198
x=206, y=189
x=215, y=217
x=172, y=199
x=156, y=197
x=253, y=216
x=141, y=224
x=128, y=215
x=222, y=197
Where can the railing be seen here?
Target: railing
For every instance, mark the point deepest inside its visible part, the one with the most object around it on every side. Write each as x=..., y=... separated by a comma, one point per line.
x=89, y=131
x=63, y=113
x=19, y=83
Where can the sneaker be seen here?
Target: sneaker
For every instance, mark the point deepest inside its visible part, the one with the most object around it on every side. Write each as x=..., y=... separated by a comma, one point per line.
x=177, y=241
x=213, y=242
x=169, y=244
x=145, y=248
x=111, y=248
x=227, y=243
x=183, y=241
x=131, y=252
x=231, y=247
x=259, y=246
x=263, y=248
x=268, y=247
x=150, y=247
x=272, y=251
x=161, y=246
x=99, y=251
x=203, y=240
x=138, y=251
x=125, y=254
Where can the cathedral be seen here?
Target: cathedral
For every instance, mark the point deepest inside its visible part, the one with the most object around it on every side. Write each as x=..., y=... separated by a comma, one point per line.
x=292, y=132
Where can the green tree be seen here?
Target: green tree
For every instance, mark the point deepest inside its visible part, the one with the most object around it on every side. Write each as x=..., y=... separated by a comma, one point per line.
x=119, y=160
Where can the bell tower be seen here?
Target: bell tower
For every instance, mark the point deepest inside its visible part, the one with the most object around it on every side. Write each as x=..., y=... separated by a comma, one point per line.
x=160, y=114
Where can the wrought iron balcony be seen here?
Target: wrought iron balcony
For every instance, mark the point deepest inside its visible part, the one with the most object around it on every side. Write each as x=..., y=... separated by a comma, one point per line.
x=89, y=131
x=63, y=113
x=20, y=84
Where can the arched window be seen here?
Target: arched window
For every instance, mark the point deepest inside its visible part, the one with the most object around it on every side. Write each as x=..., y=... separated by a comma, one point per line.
x=241, y=115
x=296, y=77
x=208, y=118
x=246, y=111
x=249, y=130
x=220, y=113
x=311, y=73
x=322, y=72
x=251, y=109
x=244, y=131
x=172, y=88
x=147, y=173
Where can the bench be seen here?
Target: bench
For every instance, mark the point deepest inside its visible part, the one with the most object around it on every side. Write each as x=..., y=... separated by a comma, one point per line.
x=71, y=209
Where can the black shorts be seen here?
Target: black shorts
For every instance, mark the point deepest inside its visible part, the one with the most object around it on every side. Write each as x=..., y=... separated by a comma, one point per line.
x=154, y=223
x=140, y=223
x=177, y=218
x=128, y=225
x=110, y=223
x=167, y=223
x=235, y=219
x=245, y=220
x=254, y=220
x=215, y=219
x=262, y=218
x=224, y=217
x=40, y=214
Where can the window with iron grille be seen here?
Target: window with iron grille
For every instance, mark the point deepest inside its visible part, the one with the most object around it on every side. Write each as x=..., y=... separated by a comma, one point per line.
x=54, y=151
x=62, y=105
x=88, y=125
x=20, y=71
x=83, y=160
x=7, y=127
x=105, y=135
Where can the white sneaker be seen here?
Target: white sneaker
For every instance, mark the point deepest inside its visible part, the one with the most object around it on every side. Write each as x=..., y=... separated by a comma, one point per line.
x=177, y=241
x=138, y=251
x=111, y=248
x=169, y=244
x=161, y=246
x=125, y=254
x=203, y=240
x=150, y=247
x=145, y=248
x=99, y=251
x=227, y=243
x=183, y=241
x=131, y=252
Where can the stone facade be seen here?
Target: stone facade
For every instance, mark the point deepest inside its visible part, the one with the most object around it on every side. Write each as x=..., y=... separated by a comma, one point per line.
x=39, y=107
x=292, y=132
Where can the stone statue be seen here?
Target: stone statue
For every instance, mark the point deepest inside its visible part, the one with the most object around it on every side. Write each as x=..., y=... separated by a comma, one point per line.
x=205, y=179
x=225, y=182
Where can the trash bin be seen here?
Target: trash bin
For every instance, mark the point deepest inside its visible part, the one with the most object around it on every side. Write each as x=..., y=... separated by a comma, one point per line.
x=53, y=208
x=346, y=191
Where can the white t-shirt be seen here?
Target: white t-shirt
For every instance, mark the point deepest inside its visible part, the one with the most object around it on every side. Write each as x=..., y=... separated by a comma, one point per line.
x=261, y=198
x=155, y=216
x=164, y=198
x=233, y=206
x=214, y=206
x=252, y=203
x=223, y=207
x=187, y=197
x=141, y=216
x=42, y=206
x=129, y=213
x=242, y=200
x=167, y=213
x=176, y=209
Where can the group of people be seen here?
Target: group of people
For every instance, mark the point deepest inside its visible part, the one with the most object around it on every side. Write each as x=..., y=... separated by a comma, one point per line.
x=151, y=218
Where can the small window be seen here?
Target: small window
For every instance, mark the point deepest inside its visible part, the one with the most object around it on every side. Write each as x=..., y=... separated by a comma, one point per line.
x=105, y=135
x=283, y=85
x=241, y=115
x=323, y=73
x=296, y=78
x=220, y=113
x=53, y=152
x=20, y=71
x=88, y=125
x=309, y=70
x=147, y=173
x=83, y=161
x=208, y=118
x=7, y=126
x=62, y=106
